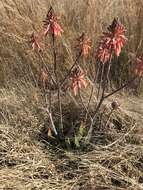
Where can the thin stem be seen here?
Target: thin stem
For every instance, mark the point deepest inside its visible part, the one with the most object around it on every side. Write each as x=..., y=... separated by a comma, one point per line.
x=91, y=94
x=60, y=107
x=50, y=100
x=46, y=67
x=57, y=79
x=51, y=119
x=75, y=63
x=120, y=88
x=100, y=83
x=110, y=94
x=83, y=102
x=107, y=77
x=54, y=56
x=101, y=101
x=105, y=81
x=89, y=135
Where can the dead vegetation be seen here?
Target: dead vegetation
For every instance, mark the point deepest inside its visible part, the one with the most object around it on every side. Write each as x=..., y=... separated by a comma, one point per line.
x=28, y=160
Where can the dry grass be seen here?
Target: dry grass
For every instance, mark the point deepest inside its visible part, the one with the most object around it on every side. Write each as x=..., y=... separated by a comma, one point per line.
x=20, y=18
x=27, y=160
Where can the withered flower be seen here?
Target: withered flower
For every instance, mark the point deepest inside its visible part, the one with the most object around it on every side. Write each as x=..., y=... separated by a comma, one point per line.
x=77, y=80
x=35, y=42
x=115, y=105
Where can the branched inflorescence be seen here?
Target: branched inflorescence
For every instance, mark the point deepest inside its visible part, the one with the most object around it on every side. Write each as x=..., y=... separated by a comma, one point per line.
x=111, y=43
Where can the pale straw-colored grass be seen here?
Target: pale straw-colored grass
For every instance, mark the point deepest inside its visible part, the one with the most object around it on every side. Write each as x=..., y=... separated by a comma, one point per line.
x=27, y=162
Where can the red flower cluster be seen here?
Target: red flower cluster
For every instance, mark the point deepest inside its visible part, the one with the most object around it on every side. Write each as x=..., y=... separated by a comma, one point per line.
x=35, y=43
x=84, y=45
x=78, y=80
x=139, y=66
x=112, y=41
x=51, y=24
x=103, y=54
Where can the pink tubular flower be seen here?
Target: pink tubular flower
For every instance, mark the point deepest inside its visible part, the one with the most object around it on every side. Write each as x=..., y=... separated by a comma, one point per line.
x=35, y=43
x=51, y=24
x=78, y=80
x=112, y=41
x=84, y=45
x=139, y=66
x=103, y=54
x=115, y=37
